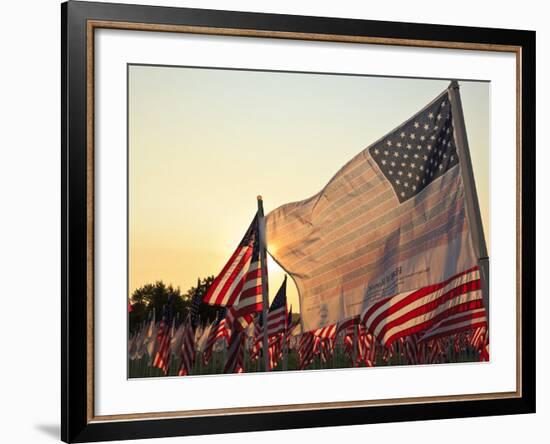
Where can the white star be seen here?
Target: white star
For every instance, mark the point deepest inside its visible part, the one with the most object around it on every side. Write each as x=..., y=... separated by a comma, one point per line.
x=406, y=184
x=440, y=166
x=415, y=155
x=439, y=117
x=421, y=167
x=383, y=161
x=418, y=178
x=409, y=174
x=413, y=166
x=400, y=172
x=413, y=136
x=409, y=146
x=396, y=154
x=416, y=124
x=429, y=147
x=390, y=172
x=397, y=181
x=443, y=103
x=386, y=152
x=435, y=128
x=376, y=151
x=402, y=135
x=388, y=143
x=398, y=144
x=419, y=147
x=431, y=116
x=414, y=187
x=426, y=126
x=452, y=158
x=405, y=156
x=403, y=164
x=422, y=137
x=432, y=137
x=402, y=194
x=425, y=157
x=392, y=163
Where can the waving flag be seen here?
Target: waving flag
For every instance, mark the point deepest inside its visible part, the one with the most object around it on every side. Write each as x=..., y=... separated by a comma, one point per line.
x=239, y=285
x=218, y=331
x=390, y=222
x=188, y=346
x=162, y=357
x=277, y=314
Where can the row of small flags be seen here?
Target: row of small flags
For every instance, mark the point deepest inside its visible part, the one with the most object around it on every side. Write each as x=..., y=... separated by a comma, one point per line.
x=162, y=341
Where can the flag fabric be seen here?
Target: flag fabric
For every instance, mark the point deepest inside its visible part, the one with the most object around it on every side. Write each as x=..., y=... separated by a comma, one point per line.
x=187, y=349
x=429, y=307
x=162, y=356
x=277, y=313
x=391, y=221
x=150, y=341
x=239, y=284
x=305, y=350
x=235, y=353
x=473, y=319
x=218, y=331
x=328, y=332
x=256, y=347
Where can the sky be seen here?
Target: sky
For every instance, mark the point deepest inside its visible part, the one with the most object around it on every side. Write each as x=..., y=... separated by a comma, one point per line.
x=203, y=143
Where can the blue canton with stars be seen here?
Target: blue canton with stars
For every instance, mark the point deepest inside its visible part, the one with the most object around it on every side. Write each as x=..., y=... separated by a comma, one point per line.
x=419, y=151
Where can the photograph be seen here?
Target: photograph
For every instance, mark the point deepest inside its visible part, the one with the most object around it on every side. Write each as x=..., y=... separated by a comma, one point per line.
x=299, y=221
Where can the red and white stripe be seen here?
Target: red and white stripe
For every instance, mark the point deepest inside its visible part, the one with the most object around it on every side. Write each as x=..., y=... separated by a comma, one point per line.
x=328, y=332
x=305, y=350
x=162, y=357
x=188, y=350
x=457, y=323
x=227, y=287
x=217, y=332
x=408, y=313
x=235, y=353
x=276, y=321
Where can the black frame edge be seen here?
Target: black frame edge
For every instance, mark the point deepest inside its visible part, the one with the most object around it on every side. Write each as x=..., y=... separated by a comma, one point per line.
x=74, y=425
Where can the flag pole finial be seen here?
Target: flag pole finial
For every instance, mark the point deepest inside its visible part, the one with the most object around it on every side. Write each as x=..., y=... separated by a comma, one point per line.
x=259, y=197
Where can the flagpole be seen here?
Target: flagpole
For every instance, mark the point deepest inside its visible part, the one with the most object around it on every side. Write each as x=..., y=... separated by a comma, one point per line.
x=263, y=263
x=472, y=204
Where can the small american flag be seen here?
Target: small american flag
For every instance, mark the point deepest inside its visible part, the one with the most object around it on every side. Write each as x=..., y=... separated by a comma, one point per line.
x=277, y=314
x=235, y=353
x=188, y=348
x=239, y=284
x=162, y=356
x=218, y=331
x=305, y=350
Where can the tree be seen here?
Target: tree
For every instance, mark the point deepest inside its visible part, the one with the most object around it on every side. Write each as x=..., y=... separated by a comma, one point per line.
x=158, y=297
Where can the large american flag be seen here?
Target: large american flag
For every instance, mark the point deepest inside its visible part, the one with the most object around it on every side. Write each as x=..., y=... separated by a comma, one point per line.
x=391, y=221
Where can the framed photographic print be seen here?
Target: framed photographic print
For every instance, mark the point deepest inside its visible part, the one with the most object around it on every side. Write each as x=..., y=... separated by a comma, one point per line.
x=275, y=221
